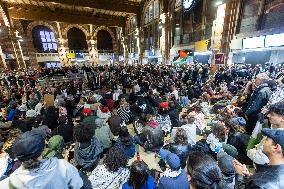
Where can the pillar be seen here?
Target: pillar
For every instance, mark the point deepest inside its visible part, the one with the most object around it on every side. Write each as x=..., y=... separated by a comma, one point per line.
x=164, y=39
x=16, y=40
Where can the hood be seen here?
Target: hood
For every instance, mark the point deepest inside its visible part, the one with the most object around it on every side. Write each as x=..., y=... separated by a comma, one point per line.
x=87, y=157
x=36, y=178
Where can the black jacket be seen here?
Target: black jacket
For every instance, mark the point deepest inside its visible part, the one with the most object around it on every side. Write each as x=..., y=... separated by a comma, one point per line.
x=271, y=177
x=258, y=99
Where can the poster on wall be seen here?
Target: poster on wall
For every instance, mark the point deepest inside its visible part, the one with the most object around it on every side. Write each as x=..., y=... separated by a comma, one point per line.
x=220, y=58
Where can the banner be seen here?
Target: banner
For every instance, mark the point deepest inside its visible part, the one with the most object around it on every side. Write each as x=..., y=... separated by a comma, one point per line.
x=202, y=46
x=220, y=59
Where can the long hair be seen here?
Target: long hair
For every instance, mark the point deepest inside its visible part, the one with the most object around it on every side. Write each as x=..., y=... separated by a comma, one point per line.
x=138, y=174
x=181, y=137
x=204, y=171
x=115, y=159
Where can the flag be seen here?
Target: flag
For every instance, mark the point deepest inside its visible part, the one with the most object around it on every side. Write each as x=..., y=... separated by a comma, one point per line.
x=182, y=54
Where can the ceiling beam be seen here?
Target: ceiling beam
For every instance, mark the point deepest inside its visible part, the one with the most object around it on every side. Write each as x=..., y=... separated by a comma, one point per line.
x=112, y=5
x=45, y=14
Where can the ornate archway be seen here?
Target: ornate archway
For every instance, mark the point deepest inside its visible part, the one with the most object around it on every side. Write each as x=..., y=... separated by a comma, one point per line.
x=114, y=40
x=40, y=23
x=64, y=33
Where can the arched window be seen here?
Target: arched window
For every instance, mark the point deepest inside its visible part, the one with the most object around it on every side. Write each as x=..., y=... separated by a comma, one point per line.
x=104, y=41
x=152, y=11
x=44, y=39
x=76, y=39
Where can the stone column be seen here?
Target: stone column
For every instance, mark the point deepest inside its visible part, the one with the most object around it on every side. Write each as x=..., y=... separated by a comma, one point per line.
x=16, y=39
x=62, y=52
x=164, y=39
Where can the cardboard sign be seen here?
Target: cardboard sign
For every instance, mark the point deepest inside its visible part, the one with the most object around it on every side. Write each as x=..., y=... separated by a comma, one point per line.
x=48, y=100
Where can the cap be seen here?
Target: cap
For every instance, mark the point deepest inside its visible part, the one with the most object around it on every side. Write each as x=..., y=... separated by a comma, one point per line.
x=164, y=105
x=29, y=145
x=277, y=135
x=170, y=158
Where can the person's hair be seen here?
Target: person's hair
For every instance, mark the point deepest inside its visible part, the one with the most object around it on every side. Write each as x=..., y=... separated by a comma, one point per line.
x=274, y=143
x=83, y=133
x=123, y=132
x=190, y=119
x=218, y=129
x=31, y=164
x=181, y=137
x=139, y=173
x=277, y=108
x=204, y=171
x=197, y=108
x=13, y=134
x=62, y=119
x=234, y=128
x=115, y=159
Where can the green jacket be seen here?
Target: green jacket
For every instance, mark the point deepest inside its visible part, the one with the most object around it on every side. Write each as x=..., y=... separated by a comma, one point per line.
x=105, y=136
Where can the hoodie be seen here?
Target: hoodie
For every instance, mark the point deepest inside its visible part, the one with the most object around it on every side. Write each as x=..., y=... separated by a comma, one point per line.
x=52, y=173
x=88, y=157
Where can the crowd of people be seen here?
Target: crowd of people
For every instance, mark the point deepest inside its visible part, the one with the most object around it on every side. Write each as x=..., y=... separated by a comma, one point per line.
x=210, y=129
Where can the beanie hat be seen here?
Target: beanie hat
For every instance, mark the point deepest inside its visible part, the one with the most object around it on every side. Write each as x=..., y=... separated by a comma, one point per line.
x=164, y=105
x=225, y=164
x=170, y=158
x=230, y=150
x=29, y=145
x=87, y=110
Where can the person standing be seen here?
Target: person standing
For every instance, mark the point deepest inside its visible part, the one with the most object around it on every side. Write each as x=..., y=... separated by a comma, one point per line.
x=257, y=101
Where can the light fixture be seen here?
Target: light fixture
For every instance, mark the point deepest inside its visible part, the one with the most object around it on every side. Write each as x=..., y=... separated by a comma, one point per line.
x=218, y=3
x=160, y=26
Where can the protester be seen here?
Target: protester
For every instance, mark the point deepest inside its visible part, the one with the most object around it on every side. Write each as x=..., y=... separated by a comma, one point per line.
x=203, y=172
x=139, y=177
x=150, y=101
x=87, y=149
x=174, y=176
x=113, y=172
x=272, y=175
x=57, y=173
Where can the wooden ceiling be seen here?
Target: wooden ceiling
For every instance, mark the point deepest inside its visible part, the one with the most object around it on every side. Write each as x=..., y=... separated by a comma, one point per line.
x=98, y=12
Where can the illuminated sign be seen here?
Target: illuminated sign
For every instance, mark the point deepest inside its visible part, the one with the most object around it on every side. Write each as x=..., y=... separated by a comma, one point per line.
x=254, y=42
x=275, y=40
